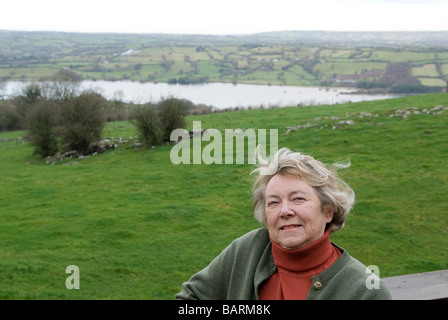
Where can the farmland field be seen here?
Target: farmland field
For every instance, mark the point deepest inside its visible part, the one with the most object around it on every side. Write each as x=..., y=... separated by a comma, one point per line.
x=202, y=59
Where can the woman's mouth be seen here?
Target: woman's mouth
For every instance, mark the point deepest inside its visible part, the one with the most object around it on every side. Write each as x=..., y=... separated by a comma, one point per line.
x=290, y=226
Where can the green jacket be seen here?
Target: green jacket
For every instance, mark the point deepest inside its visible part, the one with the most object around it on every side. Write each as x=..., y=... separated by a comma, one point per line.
x=237, y=272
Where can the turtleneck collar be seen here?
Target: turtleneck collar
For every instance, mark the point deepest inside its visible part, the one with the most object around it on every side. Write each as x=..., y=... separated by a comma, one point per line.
x=296, y=267
x=312, y=259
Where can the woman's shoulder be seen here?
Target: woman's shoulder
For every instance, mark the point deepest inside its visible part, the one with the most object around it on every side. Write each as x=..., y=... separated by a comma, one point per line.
x=253, y=241
x=253, y=237
x=349, y=264
x=354, y=280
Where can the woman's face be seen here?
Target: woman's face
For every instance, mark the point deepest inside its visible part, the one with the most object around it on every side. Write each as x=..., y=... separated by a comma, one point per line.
x=293, y=211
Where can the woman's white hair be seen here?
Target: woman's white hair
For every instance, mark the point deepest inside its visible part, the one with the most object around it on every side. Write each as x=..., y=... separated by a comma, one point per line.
x=332, y=191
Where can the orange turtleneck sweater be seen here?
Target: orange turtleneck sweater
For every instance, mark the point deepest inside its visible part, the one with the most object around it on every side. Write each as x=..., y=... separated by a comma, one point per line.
x=296, y=267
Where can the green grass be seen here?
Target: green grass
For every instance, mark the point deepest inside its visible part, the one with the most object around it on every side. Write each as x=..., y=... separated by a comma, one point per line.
x=137, y=226
x=427, y=70
x=349, y=68
x=404, y=56
x=432, y=82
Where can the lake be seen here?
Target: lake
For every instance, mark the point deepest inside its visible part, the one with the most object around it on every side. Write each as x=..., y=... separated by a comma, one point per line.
x=220, y=95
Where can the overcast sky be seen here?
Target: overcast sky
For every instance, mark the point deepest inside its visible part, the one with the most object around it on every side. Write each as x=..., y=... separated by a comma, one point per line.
x=223, y=16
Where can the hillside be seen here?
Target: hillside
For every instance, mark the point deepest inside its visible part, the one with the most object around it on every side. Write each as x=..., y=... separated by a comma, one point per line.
x=357, y=38
x=137, y=226
x=366, y=60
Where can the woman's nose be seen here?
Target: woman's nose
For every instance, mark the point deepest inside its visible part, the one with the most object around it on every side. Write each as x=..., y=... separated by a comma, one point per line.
x=286, y=210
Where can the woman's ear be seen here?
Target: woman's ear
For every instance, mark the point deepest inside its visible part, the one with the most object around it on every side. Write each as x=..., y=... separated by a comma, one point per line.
x=329, y=213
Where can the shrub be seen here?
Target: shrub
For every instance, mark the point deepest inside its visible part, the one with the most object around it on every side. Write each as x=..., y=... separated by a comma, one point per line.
x=9, y=118
x=41, y=123
x=172, y=114
x=31, y=94
x=147, y=122
x=83, y=121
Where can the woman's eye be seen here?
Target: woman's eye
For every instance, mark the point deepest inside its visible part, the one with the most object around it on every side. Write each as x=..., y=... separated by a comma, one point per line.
x=299, y=199
x=272, y=203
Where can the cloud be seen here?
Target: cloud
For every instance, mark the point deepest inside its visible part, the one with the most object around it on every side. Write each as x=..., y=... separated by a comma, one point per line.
x=425, y=2
x=223, y=17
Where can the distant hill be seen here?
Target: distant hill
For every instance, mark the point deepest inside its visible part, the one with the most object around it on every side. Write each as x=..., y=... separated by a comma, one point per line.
x=370, y=38
x=382, y=38
x=366, y=60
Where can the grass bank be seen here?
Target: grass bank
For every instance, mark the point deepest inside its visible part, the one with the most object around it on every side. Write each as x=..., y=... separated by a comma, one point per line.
x=137, y=226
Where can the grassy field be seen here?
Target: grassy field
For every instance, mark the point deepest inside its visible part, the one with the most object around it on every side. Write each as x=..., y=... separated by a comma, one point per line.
x=137, y=226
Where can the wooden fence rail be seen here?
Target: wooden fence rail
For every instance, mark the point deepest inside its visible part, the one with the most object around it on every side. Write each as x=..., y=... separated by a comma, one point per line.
x=419, y=286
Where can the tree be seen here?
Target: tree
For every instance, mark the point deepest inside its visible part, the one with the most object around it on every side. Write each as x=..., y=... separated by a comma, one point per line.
x=147, y=122
x=23, y=103
x=9, y=119
x=83, y=121
x=41, y=123
x=172, y=114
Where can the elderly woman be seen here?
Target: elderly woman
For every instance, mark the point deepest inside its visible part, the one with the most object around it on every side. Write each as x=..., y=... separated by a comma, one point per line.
x=299, y=202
